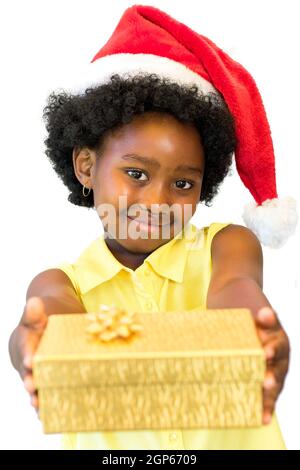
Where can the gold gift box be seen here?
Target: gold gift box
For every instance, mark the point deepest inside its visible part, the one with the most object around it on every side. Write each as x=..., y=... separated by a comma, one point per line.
x=187, y=369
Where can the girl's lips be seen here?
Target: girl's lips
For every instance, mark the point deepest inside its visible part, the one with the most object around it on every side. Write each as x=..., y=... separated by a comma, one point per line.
x=149, y=225
x=147, y=221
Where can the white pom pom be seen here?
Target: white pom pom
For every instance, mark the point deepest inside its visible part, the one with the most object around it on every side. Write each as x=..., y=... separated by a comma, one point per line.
x=273, y=222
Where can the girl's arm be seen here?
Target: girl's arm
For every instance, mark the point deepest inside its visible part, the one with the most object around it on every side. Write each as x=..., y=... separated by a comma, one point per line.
x=237, y=281
x=50, y=292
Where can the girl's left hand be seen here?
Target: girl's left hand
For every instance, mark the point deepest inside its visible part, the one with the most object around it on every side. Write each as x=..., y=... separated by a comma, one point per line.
x=277, y=350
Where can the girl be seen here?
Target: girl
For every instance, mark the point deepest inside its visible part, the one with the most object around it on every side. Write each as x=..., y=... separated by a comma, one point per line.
x=144, y=148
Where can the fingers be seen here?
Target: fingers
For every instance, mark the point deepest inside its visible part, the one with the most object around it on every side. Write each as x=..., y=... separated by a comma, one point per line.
x=24, y=341
x=29, y=333
x=277, y=356
x=267, y=319
x=274, y=339
x=271, y=391
x=273, y=384
x=277, y=348
x=34, y=401
x=28, y=341
x=276, y=374
x=28, y=383
x=30, y=388
x=267, y=324
x=32, y=325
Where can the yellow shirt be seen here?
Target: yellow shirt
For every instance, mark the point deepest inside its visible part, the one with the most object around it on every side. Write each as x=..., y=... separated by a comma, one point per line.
x=174, y=277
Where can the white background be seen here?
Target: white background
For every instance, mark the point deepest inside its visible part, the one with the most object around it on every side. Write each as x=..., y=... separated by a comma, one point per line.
x=40, y=43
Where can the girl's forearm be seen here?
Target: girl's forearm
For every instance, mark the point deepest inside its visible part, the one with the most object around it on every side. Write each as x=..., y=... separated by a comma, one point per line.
x=54, y=305
x=240, y=292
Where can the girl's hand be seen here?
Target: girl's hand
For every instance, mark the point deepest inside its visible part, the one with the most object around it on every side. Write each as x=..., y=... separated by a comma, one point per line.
x=25, y=340
x=277, y=350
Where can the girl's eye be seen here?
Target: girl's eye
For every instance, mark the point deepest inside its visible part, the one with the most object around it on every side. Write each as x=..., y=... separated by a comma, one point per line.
x=135, y=174
x=182, y=183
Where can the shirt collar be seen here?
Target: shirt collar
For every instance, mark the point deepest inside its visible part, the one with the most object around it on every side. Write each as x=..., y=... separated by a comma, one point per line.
x=97, y=264
x=169, y=260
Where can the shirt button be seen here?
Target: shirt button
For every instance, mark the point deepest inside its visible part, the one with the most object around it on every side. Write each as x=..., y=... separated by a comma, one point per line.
x=173, y=436
x=147, y=272
x=149, y=305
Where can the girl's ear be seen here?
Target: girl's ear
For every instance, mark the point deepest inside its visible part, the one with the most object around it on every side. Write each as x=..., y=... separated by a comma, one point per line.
x=83, y=160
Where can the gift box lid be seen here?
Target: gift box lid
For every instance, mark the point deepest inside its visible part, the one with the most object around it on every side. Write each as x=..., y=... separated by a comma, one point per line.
x=217, y=345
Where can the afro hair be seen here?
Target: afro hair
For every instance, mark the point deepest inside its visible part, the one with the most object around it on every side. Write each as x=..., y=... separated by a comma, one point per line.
x=84, y=120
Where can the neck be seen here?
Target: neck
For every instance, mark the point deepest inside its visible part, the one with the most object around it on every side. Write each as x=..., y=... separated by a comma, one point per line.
x=127, y=258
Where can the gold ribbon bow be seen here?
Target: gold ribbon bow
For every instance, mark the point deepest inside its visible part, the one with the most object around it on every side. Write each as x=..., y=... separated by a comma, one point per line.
x=111, y=322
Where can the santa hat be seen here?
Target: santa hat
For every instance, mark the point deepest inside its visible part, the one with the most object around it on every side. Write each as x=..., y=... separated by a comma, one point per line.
x=148, y=40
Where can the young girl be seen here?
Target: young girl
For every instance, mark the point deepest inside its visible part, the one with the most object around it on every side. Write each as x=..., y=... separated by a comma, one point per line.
x=144, y=148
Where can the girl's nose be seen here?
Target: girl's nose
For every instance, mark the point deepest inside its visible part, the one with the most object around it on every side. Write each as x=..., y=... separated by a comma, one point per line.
x=155, y=195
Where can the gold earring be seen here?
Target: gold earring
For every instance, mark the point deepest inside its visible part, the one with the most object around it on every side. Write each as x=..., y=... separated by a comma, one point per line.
x=85, y=194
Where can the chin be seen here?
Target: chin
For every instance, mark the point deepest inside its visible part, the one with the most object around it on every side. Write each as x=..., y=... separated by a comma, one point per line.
x=142, y=246
x=141, y=241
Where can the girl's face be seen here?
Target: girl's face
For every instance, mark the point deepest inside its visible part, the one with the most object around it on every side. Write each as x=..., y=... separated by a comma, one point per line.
x=150, y=170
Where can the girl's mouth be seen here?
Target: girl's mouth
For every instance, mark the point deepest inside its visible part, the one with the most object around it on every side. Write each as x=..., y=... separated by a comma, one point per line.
x=147, y=225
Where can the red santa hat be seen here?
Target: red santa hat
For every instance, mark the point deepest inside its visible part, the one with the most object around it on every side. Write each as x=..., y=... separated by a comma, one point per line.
x=148, y=40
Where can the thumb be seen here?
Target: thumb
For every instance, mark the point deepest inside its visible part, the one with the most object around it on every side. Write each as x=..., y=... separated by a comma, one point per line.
x=34, y=320
x=34, y=315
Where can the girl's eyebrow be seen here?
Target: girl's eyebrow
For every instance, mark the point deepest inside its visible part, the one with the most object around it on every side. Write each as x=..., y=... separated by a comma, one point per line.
x=155, y=163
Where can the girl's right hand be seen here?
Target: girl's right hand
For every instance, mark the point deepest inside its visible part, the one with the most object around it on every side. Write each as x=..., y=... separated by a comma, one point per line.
x=24, y=341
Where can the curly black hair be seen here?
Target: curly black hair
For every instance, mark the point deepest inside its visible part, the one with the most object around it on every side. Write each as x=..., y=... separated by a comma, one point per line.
x=85, y=119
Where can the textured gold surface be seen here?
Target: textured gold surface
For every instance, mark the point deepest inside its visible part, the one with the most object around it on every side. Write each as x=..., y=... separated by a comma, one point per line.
x=183, y=370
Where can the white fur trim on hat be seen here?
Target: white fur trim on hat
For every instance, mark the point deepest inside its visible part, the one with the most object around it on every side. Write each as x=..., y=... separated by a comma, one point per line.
x=98, y=72
x=274, y=221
